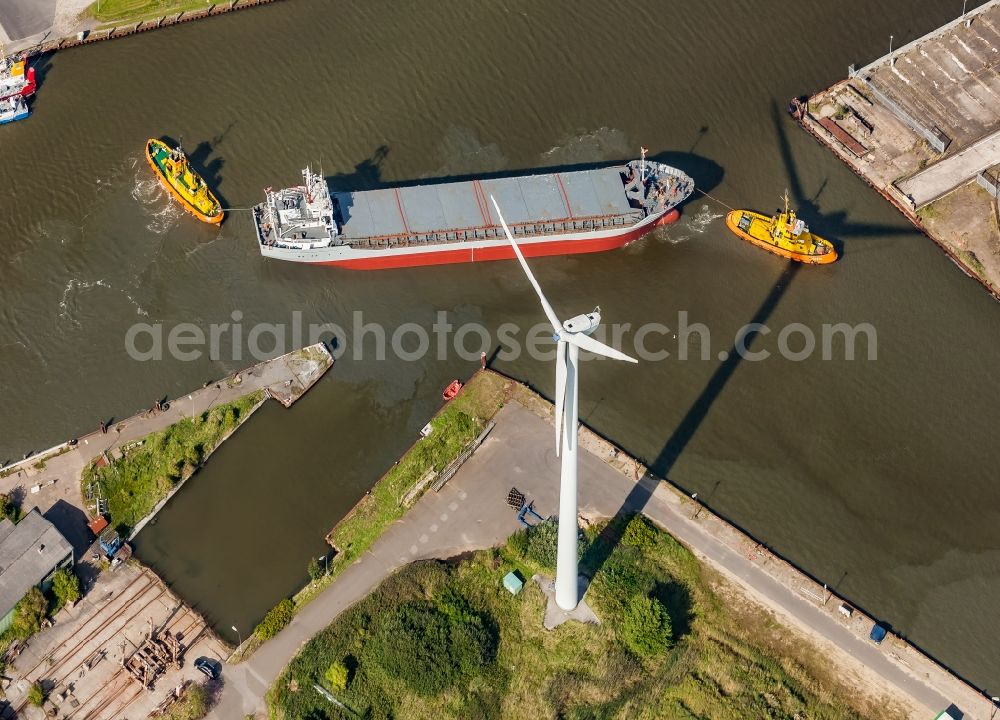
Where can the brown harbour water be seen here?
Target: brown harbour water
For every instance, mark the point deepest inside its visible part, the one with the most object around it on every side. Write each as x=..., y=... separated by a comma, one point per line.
x=879, y=477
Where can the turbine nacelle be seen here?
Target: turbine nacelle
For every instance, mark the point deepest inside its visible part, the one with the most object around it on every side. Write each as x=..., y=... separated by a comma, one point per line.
x=585, y=323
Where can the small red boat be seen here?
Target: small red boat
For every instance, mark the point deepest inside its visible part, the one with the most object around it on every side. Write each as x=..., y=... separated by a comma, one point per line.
x=452, y=390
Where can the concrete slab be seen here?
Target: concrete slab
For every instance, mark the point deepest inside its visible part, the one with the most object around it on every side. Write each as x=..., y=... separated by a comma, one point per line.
x=949, y=78
x=954, y=171
x=555, y=615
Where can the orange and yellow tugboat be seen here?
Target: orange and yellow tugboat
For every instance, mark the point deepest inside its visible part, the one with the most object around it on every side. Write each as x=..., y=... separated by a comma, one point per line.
x=783, y=234
x=187, y=187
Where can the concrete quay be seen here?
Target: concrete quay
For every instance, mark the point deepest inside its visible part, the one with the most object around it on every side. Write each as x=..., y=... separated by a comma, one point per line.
x=922, y=127
x=470, y=513
x=51, y=480
x=34, y=27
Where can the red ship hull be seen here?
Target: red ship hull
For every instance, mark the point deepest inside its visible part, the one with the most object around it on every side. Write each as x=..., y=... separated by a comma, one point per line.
x=503, y=252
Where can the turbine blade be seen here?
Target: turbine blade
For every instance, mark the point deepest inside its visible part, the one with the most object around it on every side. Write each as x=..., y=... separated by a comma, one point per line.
x=560, y=392
x=585, y=342
x=549, y=312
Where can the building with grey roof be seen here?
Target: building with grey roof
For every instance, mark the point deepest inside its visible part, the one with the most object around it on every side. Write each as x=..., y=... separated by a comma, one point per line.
x=30, y=553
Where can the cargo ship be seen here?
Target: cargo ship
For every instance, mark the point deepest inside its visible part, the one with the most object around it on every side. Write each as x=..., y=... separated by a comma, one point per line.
x=16, y=79
x=453, y=222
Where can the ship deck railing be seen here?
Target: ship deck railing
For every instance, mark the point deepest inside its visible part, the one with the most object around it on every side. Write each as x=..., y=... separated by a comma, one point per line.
x=530, y=229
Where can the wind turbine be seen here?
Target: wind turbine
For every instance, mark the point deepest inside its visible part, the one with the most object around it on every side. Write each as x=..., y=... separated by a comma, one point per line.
x=571, y=337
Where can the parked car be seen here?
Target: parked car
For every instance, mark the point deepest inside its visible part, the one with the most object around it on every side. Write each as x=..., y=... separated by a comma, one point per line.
x=211, y=668
x=878, y=633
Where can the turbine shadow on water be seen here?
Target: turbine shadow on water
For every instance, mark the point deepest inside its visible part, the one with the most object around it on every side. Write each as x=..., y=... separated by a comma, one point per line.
x=599, y=551
x=833, y=225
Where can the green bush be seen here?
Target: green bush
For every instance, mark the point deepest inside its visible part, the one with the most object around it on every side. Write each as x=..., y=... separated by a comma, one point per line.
x=542, y=543
x=645, y=626
x=429, y=650
x=518, y=544
x=8, y=509
x=276, y=618
x=66, y=587
x=625, y=575
x=337, y=675
x=29, y=613
x=36, y=694
x=640, y=533
x=315, y=570
x=195, y=704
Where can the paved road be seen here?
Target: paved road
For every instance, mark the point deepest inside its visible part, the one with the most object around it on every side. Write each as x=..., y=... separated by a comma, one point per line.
x=470, y=513
x=23, y=18
x=954, y=171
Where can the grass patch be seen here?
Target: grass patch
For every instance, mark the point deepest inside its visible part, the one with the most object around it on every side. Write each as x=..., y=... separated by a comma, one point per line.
x=123, y=11
x=133, y=484
x=439, y=640
x=928, y=212
x=973, y=262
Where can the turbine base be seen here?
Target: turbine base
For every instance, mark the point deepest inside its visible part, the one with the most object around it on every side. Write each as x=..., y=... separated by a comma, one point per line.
x=555, y=615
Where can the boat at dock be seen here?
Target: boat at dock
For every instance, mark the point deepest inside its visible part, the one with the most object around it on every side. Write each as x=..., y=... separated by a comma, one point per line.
x=783, y=234
x=16, y=78
x=13, y=109
x=187, y=186
x=454, y=222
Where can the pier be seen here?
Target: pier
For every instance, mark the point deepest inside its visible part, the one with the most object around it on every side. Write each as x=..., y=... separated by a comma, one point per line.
x=51, y=480
x=921, y=125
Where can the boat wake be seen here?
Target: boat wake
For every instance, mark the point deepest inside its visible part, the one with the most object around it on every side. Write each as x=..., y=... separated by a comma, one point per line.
x=157, y=205
x=74, y=286
x=700, y=221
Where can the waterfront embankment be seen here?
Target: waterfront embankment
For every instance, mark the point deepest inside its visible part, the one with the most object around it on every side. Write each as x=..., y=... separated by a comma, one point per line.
x=470, y=513
x=920, y=125
x=75, y=23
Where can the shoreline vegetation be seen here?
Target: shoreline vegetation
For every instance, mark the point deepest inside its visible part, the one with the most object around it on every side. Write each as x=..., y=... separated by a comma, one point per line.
x=146, y=472
x=455, y=426
x=108, y=11
x=447, y=640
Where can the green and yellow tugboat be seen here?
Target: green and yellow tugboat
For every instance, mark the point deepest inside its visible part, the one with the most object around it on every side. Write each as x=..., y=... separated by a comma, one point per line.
x=187, y=186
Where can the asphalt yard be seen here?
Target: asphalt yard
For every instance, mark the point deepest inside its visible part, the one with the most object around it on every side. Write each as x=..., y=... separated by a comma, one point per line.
x=24, y=18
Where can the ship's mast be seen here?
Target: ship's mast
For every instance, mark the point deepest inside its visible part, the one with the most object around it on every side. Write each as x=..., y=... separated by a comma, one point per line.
x=642, y=164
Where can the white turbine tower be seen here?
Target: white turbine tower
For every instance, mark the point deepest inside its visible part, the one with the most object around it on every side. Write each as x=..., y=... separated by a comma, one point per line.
x=571, y=337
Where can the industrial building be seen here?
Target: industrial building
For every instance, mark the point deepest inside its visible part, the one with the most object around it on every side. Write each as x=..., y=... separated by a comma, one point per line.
x=30, y=553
